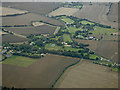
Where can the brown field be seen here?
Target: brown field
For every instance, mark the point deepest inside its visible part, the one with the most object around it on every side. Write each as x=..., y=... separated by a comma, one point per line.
x=108, y=49
x=64, y=11
x=40, y=8
x=113, y=15
x=44, y=29
x=13, y=39
x=10, y=11
x=97, y=13
x=110, y=37
x=88, y=75
x=27, y=19
x=41, y=74
x=92, y=43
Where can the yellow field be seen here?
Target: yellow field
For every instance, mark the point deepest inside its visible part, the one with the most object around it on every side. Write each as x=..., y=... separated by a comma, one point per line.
x=64, y=11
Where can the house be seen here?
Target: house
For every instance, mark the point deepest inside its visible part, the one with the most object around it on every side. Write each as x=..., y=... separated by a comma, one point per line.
x=42, y=54
x=64, y=43
x=32, y=43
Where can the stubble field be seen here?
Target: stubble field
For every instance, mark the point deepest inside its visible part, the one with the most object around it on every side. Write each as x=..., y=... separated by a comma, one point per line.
x=88, y=75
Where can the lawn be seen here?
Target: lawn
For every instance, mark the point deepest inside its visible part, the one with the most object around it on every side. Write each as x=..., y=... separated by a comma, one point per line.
x=19, y=61
x=104, y=31
x=67, y=20
x=52, y=46
x=87, y=22
x=66, y=37
x=72, y=49
x=93, y=56
x=74, y=29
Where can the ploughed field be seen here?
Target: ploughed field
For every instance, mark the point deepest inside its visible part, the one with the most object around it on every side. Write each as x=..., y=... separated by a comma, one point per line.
x=40, y=8
x=97, y=13
x=13, y=39
x=107, y=48
x=11, y=11
x=41, y=74
x=27, y=19
x=43, y=29
x=88, y=75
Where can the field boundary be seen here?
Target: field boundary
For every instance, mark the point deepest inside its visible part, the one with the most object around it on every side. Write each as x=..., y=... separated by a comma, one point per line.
x=64, y=72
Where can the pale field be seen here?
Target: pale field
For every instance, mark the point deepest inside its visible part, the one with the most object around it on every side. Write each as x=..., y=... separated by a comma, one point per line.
x=64, y=11
x=36, y=24
x=10, y=11
x=88, y=75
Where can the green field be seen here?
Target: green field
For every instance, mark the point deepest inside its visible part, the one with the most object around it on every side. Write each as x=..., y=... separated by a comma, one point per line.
x=19, y=61
x=66, y=37
x=100, y=30
x=72, y=49
x=52, y=46
x=67, y=20
x=92, y=56
x=86, y=22
x=74, y=29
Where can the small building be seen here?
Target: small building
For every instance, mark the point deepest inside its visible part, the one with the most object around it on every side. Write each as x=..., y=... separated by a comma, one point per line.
x=42, y=54
x=32, y=43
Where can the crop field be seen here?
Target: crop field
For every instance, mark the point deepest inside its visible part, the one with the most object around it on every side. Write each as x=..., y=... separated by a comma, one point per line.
x=13, y=39
x=92, y=43
x=10, y=11
x=66, y=37
x=88, y=75
x=108, y=49
x=104, y=31
x=19, y=61
x=41, y=74
x=96, y=12
x=44, y=29
x=34, y=7
x=27, y=19
x=64, y=11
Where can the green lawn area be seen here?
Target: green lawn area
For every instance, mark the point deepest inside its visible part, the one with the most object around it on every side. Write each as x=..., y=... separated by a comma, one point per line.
x=66, y=37
x=87, y=22
x=72, y=49
x=74, y=29
x=100, y=30
x=67, y=20
x=52, y=46
x=20, y=61
x=93, y=56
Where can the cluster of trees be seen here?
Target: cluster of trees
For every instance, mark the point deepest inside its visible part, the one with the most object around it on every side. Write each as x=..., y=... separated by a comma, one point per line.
x=109, y=9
